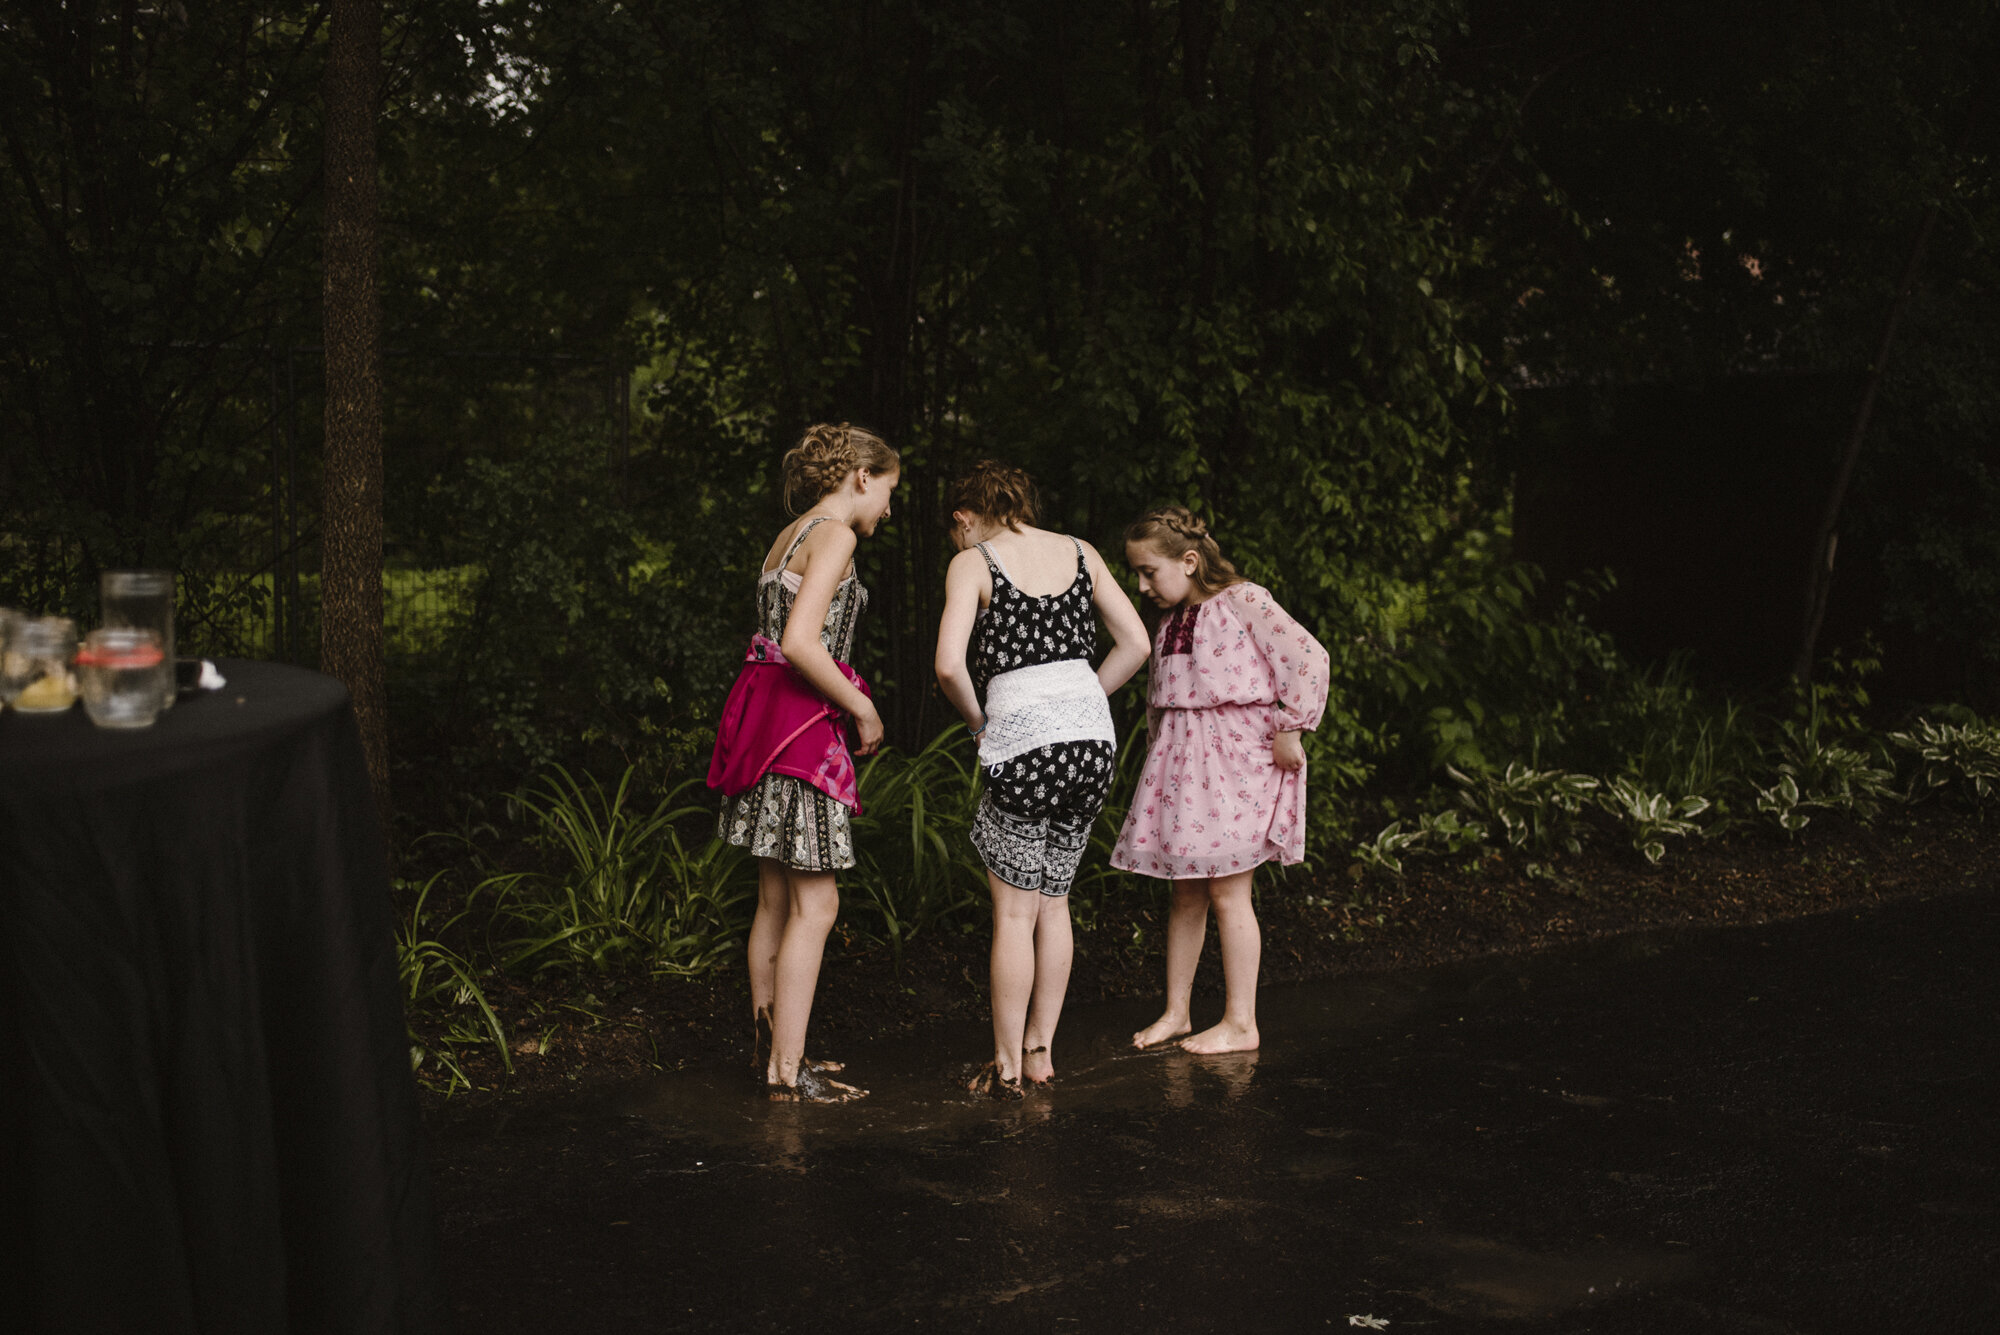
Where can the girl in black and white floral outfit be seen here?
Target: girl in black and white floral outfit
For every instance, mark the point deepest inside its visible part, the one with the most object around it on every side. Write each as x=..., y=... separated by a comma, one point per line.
x=1045, y=738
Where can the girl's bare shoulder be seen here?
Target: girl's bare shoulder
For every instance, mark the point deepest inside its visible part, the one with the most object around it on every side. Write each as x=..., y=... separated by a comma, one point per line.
x=831, y=538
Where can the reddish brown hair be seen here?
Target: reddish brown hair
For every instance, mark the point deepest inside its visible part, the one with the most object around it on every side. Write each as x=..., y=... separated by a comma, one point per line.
x=994, y=491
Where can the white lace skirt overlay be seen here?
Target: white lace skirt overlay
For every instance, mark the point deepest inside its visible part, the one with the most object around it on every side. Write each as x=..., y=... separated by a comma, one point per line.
x=1036, y=706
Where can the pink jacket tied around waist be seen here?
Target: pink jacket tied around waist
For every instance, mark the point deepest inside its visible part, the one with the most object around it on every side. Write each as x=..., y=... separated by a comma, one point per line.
x=775, y=722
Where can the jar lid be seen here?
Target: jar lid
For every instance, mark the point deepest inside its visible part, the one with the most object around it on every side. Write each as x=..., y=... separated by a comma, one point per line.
x=120, y=656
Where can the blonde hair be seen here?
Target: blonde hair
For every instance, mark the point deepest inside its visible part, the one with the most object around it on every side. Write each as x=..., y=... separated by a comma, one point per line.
x=824, y=457
x=995, y=491
x=1173, y=531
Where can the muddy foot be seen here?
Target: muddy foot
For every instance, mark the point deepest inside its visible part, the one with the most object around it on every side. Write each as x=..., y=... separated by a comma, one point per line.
x=1037, y=1067
x=1224, y=1037
x=760, y=1044
x=812, y=1087
x=990, y=1083
x=1163, y=1030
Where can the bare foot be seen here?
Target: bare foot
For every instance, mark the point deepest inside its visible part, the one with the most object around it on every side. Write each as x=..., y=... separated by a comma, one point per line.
x=1225, y=1037
x=1037, y=1067
x=993, y=1085
x=812, y=1087
x=1163, y=1030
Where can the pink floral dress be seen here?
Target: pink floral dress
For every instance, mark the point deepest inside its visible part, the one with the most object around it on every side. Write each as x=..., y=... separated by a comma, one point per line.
x=1228, y=674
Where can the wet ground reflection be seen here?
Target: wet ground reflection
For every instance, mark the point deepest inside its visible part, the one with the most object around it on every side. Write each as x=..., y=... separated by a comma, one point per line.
x=1716, y=1133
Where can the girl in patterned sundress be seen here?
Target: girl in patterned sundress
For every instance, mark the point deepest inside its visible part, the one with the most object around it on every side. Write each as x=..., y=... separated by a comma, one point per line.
x=1026, y=603
x=794, y=815
x=1234, y=682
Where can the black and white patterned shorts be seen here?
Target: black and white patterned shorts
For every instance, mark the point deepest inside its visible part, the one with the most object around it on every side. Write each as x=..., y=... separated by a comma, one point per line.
x=1034, y=819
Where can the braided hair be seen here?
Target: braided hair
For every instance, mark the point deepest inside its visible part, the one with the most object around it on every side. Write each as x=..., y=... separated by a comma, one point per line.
x=993, y=490
x=824, y=457
x=1174, y=531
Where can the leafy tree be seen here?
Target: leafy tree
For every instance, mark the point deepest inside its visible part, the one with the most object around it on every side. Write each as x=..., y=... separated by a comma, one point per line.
x=156, y=224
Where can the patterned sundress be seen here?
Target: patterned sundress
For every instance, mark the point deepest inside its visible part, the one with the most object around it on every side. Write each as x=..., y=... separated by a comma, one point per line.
x=783, y=817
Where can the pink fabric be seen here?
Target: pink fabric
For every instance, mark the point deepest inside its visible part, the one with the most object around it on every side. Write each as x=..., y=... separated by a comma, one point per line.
x=1226, y=678
x=775, y=722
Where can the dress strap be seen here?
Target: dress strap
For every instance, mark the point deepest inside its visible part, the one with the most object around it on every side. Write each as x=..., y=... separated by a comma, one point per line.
x=993, y=563
x=1082, y=569
x=798, y=539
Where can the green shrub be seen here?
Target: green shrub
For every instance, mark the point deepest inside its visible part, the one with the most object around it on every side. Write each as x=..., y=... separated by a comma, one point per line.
x=1956, y=760
x=915, y=867
x=1650, y=818
x=1536, y=811
x=627, y=891
x=436, y=978
x=1435, y=832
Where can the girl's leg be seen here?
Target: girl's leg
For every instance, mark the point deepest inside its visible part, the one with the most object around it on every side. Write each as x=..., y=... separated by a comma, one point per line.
x=1054, y=950
x=1012, y=971
x=767, y=929
x=814, y=901
x=1187, y=928
x=1242, y=951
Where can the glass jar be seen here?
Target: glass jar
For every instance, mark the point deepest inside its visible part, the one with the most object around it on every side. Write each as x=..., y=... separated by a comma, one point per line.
x=35, y=676
x=118, y=671
x=142, y=600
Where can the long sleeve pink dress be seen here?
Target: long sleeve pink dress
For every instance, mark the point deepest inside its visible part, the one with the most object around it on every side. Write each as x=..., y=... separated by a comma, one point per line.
x=1228, y=674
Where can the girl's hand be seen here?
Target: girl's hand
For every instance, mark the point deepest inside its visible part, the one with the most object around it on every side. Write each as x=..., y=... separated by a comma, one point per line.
x=868, y=730
x=1286, y=753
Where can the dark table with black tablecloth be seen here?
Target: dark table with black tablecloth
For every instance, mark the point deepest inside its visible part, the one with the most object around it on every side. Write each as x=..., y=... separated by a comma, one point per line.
x=207, y=1119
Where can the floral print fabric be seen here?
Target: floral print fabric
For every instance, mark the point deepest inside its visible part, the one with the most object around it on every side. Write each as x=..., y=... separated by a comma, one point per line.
x=1034, y=819
x=1017, y=630
x=783, y=817
x=1210, y=800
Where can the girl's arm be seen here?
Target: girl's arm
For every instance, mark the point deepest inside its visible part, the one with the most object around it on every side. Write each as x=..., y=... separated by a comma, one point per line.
x=1300, y=669
x=964, y=580
x=828, y=550
x=1129, y=642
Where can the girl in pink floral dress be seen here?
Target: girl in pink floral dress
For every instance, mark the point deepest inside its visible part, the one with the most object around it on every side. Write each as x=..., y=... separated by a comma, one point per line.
x=1234, y=682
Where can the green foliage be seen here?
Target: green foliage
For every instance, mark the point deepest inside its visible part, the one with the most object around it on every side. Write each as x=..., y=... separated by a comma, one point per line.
x=626, y=891
x=1650, y=818
x=1444, y=832
x=1097, y=880
x=437, y=978
x=1670, y=736
x=915, y=867
x=156, y=229
x=1959, y=760
x=1817, y=771
x=1535, y=811
x=1471, y=673
x=567, y=623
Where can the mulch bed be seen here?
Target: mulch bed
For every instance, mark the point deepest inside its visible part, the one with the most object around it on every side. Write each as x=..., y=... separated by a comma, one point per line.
x=566, y=1032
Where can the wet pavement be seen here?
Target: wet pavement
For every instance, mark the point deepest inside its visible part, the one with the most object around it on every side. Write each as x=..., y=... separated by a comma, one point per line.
x=1788, y=1128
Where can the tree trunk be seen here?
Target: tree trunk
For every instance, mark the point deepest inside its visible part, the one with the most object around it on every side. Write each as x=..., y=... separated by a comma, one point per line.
x=1819, y=575
x=351, y=646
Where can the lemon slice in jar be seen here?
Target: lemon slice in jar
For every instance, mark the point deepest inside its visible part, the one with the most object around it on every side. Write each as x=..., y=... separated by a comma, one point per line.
x=49, y=692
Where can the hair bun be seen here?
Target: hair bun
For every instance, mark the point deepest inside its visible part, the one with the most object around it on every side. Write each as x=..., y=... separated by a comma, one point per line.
x=826, y=454
x=995, y=491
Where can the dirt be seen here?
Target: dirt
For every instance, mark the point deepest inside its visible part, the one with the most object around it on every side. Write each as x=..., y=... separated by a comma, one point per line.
x=568, y=1032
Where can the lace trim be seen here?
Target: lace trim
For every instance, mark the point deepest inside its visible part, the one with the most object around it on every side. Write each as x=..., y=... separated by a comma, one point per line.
x=1036, y=706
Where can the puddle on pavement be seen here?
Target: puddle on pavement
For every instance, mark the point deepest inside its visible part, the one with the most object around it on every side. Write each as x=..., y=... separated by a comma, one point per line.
x=916, y=1084
x=1274, y=1127
x=1487, y=1277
